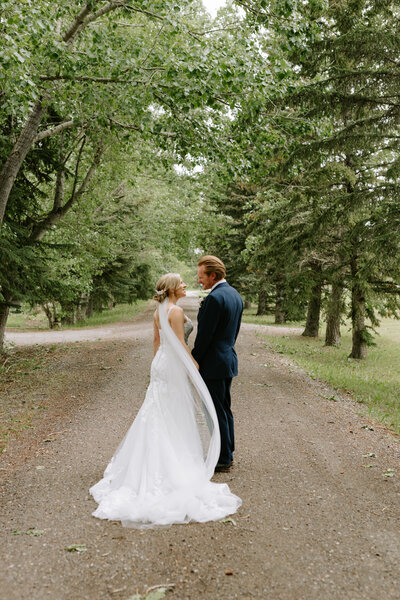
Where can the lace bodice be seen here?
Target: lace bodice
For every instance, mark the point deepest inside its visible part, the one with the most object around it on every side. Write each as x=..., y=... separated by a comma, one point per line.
x=188, y=328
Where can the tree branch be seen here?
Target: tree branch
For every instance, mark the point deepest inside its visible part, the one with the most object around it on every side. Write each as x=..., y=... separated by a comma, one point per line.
x=136, y=128
x=56, y=214
x=87, y=78
x=78, y=162
x=79, y=19
x=84, y=18
x=58, y=129
x=59, y=191
x=144, y=12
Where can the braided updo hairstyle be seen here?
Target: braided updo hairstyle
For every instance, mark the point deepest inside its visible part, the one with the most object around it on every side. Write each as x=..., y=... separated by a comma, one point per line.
x=166, y=283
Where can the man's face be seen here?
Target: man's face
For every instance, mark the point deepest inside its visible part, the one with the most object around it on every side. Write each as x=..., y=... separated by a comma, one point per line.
x=207, y=281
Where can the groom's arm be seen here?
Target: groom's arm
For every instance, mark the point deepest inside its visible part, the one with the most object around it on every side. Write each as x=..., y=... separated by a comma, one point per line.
x=207, y=322
x=239, y=322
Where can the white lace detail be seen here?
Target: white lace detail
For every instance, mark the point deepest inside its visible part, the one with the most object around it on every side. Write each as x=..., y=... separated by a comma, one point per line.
x=161, y=472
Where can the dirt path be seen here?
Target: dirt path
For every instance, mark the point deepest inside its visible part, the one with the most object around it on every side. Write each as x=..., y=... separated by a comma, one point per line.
x=317, y=522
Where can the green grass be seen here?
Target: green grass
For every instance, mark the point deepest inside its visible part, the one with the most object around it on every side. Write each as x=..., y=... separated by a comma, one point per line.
x=374, y=382
x=249, y=316
x=122, y=313
x=37, y=319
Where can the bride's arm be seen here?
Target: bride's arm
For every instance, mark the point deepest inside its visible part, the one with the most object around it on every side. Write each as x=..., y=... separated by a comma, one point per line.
x=176, y=319
x=156, y=335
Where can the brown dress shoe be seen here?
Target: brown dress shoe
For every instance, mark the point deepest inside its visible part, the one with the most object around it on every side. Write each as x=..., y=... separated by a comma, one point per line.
x=222, y=468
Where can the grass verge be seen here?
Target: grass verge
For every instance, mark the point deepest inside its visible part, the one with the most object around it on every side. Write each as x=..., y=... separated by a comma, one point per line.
x=121, y=313
x=374, y=382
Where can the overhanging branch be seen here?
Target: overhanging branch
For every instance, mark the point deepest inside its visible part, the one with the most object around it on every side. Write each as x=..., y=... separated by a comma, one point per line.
x=55, y=130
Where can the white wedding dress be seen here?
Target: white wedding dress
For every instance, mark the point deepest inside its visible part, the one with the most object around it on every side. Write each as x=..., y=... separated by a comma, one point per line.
x=160, y=473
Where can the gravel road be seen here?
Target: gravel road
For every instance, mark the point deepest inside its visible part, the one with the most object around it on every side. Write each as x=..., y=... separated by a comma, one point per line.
x=319, y=520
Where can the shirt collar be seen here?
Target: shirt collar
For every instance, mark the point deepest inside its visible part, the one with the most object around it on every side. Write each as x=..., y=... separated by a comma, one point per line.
x=218, y=282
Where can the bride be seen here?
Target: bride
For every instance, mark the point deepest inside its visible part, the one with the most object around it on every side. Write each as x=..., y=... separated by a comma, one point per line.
x=160, y=474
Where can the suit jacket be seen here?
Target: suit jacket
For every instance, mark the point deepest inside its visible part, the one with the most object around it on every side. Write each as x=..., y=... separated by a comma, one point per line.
x=218, y=320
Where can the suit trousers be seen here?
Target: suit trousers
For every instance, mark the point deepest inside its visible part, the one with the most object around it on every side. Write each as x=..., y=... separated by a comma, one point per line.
x=220, y=392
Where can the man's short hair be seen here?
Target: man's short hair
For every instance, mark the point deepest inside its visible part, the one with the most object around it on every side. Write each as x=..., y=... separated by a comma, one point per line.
x=213, y=264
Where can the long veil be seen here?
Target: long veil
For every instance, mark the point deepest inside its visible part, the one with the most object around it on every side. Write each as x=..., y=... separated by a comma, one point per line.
x=203, y=407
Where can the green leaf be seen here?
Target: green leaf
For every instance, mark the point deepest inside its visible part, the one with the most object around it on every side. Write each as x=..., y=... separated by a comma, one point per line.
x=35, y=532
x=388, y=473
x=152, y=594
x=76, y=548
x=228, y=520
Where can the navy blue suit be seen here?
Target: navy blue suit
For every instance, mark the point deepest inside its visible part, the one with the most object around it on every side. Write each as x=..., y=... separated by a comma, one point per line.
x=219, y=320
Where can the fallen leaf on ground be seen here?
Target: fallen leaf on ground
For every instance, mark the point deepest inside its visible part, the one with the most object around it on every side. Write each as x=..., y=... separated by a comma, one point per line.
x=228, y=572
x=35, y=532
x=156, y=592
x=229, y=520
x=76, y=548
x=388, y=473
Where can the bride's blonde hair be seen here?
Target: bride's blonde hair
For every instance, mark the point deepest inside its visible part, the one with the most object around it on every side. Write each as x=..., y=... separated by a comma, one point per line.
x=167, y=283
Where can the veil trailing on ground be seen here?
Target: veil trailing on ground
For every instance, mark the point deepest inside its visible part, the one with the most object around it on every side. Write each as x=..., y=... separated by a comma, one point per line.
x=202, y=404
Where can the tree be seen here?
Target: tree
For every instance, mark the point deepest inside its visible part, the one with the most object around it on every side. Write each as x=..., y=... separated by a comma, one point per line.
x=94, y=79
x=346, y=97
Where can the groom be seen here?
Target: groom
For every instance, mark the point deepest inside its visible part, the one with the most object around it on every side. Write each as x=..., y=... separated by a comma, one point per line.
x=218, y=326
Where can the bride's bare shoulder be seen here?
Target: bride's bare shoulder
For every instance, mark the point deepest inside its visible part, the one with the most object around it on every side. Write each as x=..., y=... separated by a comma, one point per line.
x=175, y=312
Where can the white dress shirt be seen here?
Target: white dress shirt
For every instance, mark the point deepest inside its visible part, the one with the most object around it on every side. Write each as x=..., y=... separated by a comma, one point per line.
x=218, y=282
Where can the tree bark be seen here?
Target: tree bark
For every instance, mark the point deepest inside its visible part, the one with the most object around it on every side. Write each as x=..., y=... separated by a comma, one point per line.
x=90, y=308
x=262, y=301
x=332, y=336
x=17, y=156
x=359, y=347
x=280, y=315
x=313, y=311
x=50, y=310
x=82, y=308
x=4, y=310
x=68, y=316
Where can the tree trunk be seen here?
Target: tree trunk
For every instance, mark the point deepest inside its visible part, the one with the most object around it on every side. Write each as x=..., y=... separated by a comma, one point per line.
x=50, y=310
x=332, y=336
x=262, y=301
x=359, y=348
x=68, y=314
x=90, y=308
x=280, y=315
x=247, y=304
x=81, y=309
x=18, y=153
x=313, y=312
x=4, y=310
